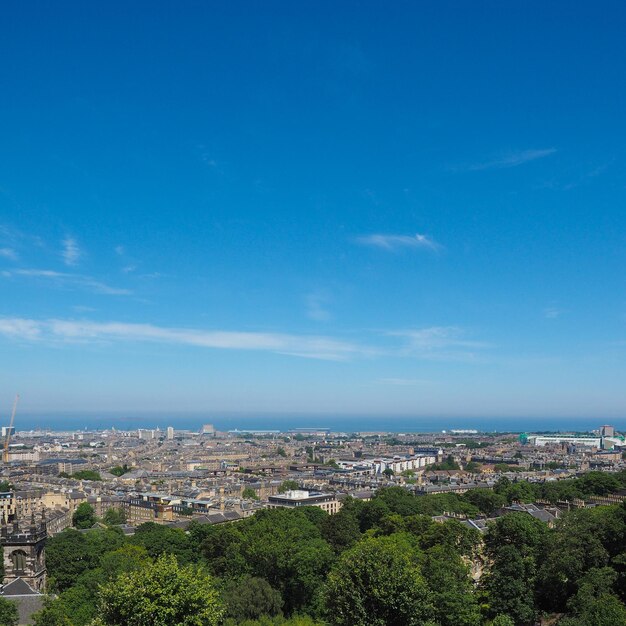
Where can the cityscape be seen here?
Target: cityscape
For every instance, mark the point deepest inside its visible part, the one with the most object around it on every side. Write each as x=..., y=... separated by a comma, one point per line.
x=178, y=479
x=313, y=313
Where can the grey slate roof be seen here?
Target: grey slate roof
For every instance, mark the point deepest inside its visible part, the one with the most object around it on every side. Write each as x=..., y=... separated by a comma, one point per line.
x=18, y=587
x=27, y=599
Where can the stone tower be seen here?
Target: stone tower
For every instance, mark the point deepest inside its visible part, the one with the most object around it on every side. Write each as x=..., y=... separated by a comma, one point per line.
x=24, y=547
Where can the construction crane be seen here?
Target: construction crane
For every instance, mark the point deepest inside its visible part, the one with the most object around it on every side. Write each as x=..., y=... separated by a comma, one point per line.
x=7, y=440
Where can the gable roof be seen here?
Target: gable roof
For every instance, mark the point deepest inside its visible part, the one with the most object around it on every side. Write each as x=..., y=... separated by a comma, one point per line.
x=27, y=599
x=18, y=587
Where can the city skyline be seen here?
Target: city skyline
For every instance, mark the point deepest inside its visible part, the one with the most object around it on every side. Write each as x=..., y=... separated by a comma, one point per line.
x=412, y=210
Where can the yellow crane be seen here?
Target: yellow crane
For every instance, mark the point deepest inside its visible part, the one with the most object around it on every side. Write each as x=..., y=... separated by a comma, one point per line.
x=7, y=439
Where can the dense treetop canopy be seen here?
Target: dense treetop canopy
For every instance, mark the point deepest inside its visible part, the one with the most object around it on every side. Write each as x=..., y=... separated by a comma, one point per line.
x=375, y=563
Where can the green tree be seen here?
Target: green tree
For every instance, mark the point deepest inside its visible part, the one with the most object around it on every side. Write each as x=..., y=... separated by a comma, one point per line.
x=603, y=609
x=84, y=516
x=251, y=598
x=578, y=544
x=562, y=490
x=71, y=553
x=506, y=467
x=595, y=583
x=523, y=491
x=77, y=602
x=221, y=547
x=158, y=540
x=286, y=548
x=372, y=512
x=377, y=583
x=388, y=472
x=126, y=559
x=249, y=494
x=418, y=524
x=288, y=485
x=54, y=613
x=510, y=585
x=453, y=536
x=161, y=594
x=342, y=529
x=120, y=470
x=266, y=620
x=8, y=613
x=105, y=540
x=440, y=503
x=114, y=517
x=398, y=500
x=553, y=465
x=598, y=483
x=85, y=475
x=453, y=596
x=524, y=532
x=283, y=546
x=390, y=524
x=502, y=485
x=515, y=543
x=5, y=485
x=485, y=499
x=314, y=514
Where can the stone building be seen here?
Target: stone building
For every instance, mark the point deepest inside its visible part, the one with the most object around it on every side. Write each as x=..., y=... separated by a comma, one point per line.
x=23, y=545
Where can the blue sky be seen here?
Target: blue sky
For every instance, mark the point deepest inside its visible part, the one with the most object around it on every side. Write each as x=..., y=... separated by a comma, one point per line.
x=344, y=208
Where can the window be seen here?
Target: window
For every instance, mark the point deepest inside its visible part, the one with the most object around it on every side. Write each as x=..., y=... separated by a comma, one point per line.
x=18, y=557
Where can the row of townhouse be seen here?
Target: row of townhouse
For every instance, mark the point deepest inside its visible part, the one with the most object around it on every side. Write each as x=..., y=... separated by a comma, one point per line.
x=164, y=508
x=397, y=464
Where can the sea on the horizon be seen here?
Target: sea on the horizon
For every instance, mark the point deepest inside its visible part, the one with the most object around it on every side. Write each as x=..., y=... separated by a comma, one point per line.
x=339, y=423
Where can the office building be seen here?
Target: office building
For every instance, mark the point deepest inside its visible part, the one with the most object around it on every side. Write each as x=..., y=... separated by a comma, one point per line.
x=300, y=497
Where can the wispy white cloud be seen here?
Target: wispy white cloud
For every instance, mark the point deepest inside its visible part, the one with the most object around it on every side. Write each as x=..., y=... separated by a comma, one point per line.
x=316, y=307
x=574, y=179
x=435, y=343
x=71, y=251
x=552, y=313
x=16, y=328
x=8, y=253
x=511, y=159
x=131, y=265
x=72, y=331
x=69, y=281
x=394, y=242
x=440, y=343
